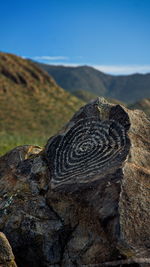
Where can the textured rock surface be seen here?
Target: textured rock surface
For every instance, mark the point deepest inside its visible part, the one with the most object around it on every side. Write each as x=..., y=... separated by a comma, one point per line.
x=6, y=254
x=84, y=199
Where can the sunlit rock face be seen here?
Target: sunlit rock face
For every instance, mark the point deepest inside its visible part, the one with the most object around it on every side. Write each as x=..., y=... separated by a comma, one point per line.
x=84, y=198
x=6, y=255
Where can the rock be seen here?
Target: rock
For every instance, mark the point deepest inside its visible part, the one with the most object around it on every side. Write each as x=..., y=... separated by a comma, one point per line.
x=6, y=254
x=84, y=199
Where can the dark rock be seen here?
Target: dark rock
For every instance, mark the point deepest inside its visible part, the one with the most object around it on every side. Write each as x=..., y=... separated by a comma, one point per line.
x=84, y=199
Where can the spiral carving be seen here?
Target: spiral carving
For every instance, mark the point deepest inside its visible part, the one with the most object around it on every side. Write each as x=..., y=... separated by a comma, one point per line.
x=85, y=150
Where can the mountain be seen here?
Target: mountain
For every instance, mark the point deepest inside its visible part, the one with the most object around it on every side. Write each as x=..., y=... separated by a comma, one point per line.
x=31, y=103
x=78, y=78
x=127, y=88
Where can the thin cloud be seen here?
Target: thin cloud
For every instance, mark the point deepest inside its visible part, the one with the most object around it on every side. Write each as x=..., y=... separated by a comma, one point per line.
x=110, y=69
x=123, y=69
x=50, y=58
x=65, y=64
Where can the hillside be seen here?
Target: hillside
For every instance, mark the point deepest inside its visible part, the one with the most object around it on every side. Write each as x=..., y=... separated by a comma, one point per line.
x=78, y=78
x=127, y=88
x=87, y=96
x=32, y=105
x=144, y=105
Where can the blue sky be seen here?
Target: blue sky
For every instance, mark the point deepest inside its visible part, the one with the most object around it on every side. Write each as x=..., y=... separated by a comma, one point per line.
x=112, y=35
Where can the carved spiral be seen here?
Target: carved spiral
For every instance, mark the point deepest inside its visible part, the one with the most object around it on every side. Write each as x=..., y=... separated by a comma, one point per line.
x=86, y=149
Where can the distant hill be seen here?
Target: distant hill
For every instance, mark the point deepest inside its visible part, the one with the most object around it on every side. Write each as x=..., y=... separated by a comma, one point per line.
x=144, y=105
x=87, y=96
x=127, y=88
x=31, y=103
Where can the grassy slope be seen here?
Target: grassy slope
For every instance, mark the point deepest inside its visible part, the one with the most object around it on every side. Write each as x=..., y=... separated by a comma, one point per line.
x=32, y=106
x=127, y=88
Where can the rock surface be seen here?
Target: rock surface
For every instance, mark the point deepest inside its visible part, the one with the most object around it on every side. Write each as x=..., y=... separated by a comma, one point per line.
x=85, y=199
x=6, y=254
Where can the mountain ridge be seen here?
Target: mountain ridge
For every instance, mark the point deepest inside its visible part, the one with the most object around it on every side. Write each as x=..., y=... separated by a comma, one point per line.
x=127, y=88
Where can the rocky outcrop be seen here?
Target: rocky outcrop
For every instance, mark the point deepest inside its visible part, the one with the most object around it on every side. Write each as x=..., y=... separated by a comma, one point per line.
x=6, y=254
x=84, y=199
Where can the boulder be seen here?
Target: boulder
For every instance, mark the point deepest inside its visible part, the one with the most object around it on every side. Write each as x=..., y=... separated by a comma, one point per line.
x=84, y=199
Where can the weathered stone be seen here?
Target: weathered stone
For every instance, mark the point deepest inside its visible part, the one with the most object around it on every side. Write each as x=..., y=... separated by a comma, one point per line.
x=6, y=255
x=84, y=199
